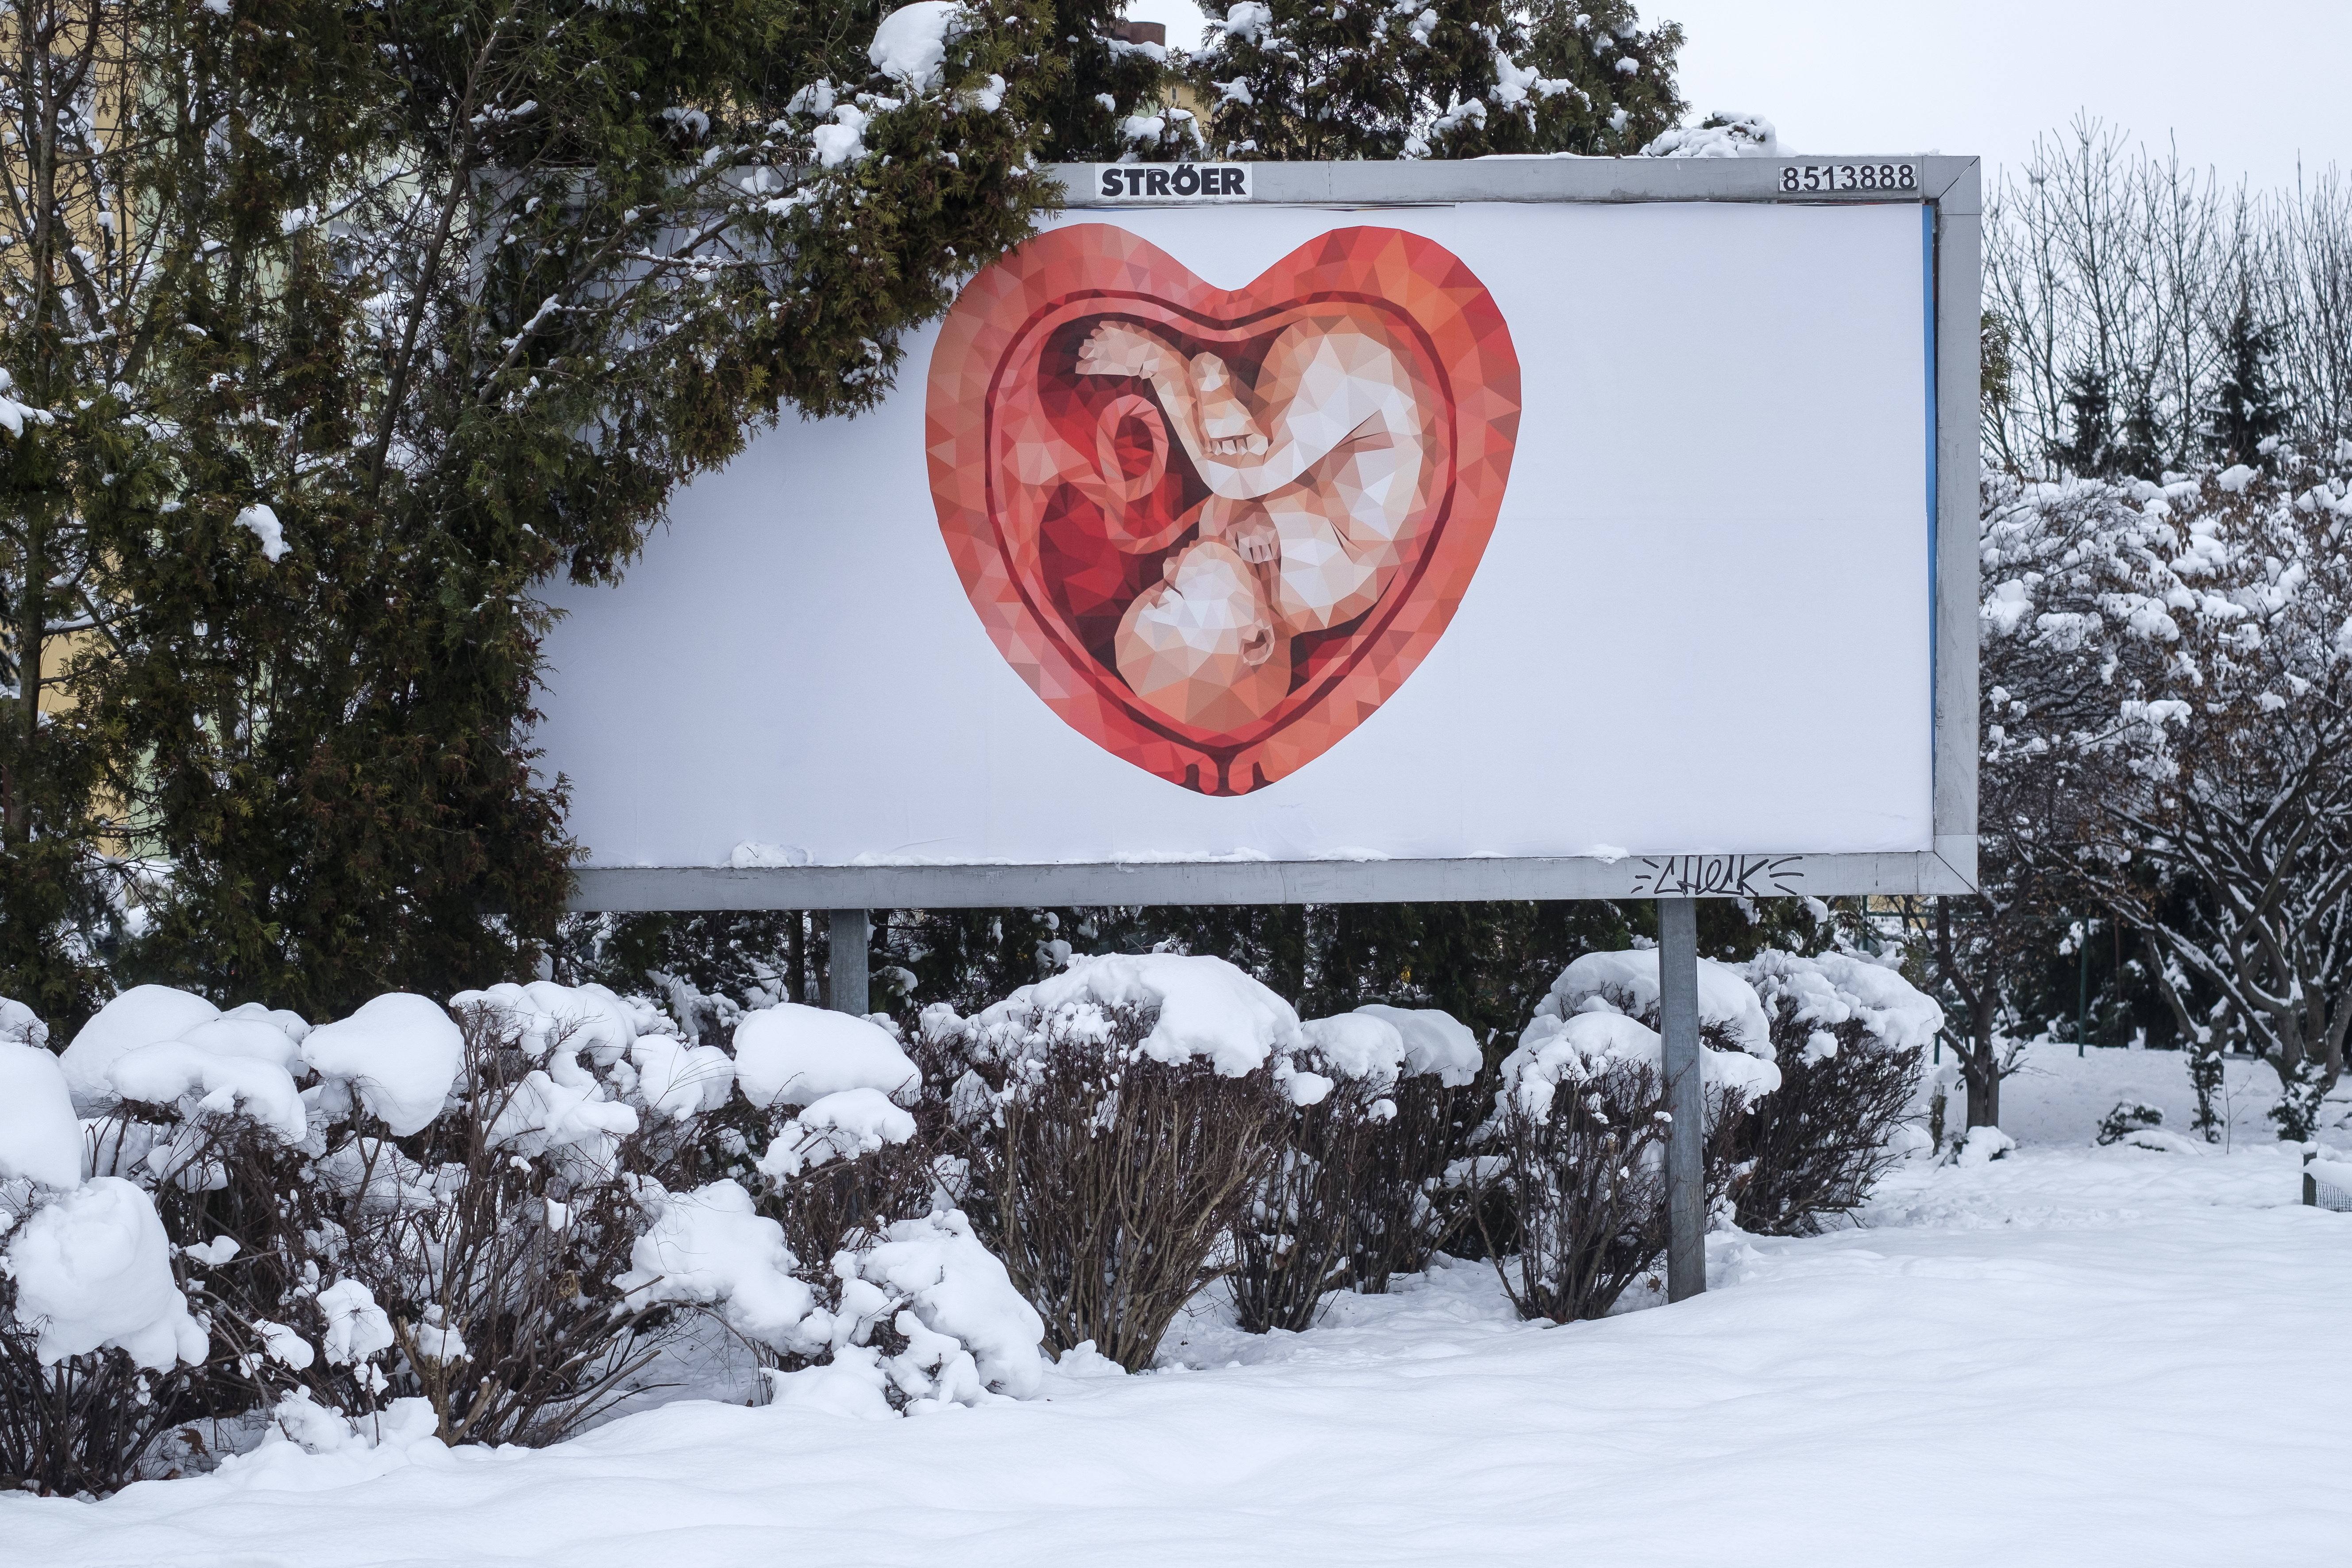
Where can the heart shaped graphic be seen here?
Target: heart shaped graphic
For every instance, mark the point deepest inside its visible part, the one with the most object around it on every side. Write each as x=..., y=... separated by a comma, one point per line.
x=1216, y=530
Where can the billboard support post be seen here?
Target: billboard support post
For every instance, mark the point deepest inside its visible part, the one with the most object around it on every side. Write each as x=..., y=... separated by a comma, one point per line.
x=851, y=933
x=1685, y=1097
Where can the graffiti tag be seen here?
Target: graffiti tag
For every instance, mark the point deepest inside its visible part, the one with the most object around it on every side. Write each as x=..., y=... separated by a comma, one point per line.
x=1720, y=876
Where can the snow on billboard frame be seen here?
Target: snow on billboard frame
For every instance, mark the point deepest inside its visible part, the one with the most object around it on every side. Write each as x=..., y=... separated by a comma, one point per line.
x=1947, y=189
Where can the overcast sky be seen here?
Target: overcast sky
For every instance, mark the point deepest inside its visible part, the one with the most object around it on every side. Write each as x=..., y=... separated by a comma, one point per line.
x=2245, y=85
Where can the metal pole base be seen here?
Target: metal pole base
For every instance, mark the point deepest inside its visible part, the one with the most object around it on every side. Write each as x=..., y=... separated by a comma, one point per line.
x=846, y=971
x=1686, y=1099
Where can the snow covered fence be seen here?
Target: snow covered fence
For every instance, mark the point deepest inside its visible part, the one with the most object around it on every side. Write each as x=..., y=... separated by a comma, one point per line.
x=2326, y=1183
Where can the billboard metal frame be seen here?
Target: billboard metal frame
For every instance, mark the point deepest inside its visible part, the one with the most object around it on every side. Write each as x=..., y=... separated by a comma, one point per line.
x=1948, y=187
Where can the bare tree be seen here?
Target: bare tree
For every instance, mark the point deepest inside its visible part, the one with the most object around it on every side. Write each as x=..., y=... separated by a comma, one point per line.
x=2112, y=275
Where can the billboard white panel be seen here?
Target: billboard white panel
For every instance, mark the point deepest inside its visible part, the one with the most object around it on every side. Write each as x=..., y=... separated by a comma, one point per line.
x=1700, y=621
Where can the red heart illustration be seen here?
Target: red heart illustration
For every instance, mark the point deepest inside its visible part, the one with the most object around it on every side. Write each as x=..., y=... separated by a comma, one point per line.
x=1216, y=530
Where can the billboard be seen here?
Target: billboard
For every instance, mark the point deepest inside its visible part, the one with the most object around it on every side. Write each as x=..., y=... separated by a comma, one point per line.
x=1501, y=542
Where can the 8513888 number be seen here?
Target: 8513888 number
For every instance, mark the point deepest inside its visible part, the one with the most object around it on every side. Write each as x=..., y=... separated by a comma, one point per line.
x=1843, y=177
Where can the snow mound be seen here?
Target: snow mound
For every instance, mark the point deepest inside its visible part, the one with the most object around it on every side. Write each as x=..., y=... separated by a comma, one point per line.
x=140, y=1016
x=1434, y=1041
x=795, y=1055
x=851, y=1384
x=2157, y=1141
x=40, y=1142
x=270, y=1034
x=311, y=1447
x=1555, y=1051
x=1628, y=982
x=400, y=1053
x=1835, y=988
x=910, y=47
x=1203, y=1008
x=1724, y=134
x=1983, y=1145
x=969, y=1335
x=93, y=1268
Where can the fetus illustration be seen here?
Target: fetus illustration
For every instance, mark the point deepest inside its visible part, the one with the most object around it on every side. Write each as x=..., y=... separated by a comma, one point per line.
x=1213, y=529
x=1312, y=474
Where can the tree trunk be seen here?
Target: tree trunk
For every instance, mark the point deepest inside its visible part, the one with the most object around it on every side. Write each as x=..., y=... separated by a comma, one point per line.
x=1981, y=1069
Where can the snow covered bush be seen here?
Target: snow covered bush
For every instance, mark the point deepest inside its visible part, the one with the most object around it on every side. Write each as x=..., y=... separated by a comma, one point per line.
x=496, y=1209
x=1847, y=1034
x=1353, y=1196
x=852, y=1141
x=98, y=1348
x=2128, y=1117
x=1117, y=1119
x=920, y=1315
x=1571, y=1160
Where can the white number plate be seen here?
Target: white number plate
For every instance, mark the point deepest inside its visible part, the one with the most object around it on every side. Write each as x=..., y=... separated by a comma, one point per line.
x=1844, y=179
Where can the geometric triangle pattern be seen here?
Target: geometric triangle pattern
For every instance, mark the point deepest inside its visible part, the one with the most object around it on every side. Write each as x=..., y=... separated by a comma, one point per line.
x=1215, y=531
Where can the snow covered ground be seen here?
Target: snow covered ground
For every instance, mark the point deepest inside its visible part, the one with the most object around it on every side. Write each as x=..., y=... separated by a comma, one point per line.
x=2071, y=1355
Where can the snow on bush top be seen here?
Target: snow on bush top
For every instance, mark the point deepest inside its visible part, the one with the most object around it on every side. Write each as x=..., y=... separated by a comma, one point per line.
x=796, y=1055
x=676, y=1080
x=1434, y=1041
x=1356, y=1046
x=39, y=1140
x=839, y=1126
x=162, y=1046
x=1629, y=982
x=955, y=1286
x=172, y=1071
x=93, y=1268
x=19, y=1024
x=1555, y=1051
x=545, y=1015
x=400, y=1052
x=1202, y=1009
x=929, y=1277
x=140, y=1016
x=712, y=1248
x=1838, y=987
x=911, y=45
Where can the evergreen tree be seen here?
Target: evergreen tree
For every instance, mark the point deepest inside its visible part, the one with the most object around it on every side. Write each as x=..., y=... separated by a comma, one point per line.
x=372, y=319
x=1457, y=79
x=2089, y=450
x=2247, y=410
x=2141, y=449
x=1113, y=98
